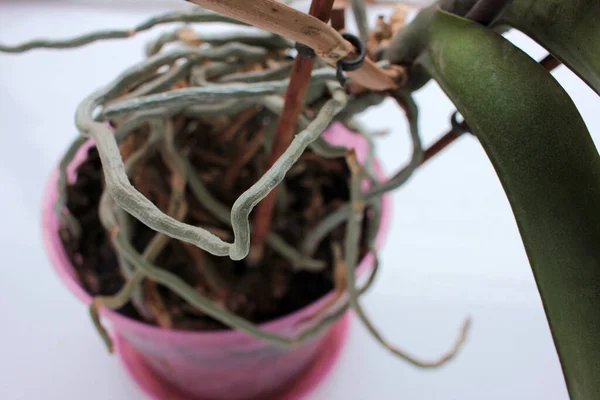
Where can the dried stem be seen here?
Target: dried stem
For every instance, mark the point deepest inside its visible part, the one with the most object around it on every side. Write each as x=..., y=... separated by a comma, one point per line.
x=273, y=16
x=286, y=127
x=351, y=246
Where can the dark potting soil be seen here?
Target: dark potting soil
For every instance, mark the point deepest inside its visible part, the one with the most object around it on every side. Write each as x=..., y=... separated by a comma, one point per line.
x=218, y=150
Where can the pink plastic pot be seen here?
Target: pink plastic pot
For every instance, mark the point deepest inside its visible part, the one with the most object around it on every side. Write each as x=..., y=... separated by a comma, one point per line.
x=217, y=365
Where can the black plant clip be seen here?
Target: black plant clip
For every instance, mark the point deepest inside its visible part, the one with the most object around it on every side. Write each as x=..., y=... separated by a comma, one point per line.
x=356, y=63
x=342, y=65
x=305, y=51
x=459, y=127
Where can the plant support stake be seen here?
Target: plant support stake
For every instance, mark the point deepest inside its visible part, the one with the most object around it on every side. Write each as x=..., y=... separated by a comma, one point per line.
x=286, y=127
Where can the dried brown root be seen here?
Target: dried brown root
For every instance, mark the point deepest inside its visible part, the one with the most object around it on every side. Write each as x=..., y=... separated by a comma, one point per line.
x=339, y=277
x=246, y=154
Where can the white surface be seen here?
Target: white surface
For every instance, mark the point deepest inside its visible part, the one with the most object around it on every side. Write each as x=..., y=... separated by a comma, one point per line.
x=453, y=248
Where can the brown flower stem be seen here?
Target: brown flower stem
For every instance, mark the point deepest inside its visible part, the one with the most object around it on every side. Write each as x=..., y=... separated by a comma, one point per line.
x=550, y=62
x=439, y=145
x=458, y=129
x=286, y=126
x=338, y=17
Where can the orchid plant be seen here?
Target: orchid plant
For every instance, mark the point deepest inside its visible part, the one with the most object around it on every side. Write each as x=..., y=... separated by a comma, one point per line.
x=527, y=124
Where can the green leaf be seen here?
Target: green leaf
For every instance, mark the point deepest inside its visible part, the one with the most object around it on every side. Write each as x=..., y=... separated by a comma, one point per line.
x=568, y=29
x=550, y=170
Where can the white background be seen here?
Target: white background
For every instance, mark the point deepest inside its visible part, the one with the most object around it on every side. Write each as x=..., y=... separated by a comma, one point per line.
x=453, y=249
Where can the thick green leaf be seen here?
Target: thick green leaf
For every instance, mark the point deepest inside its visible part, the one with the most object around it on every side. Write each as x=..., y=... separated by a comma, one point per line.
x=568, y=29
x=550, y=171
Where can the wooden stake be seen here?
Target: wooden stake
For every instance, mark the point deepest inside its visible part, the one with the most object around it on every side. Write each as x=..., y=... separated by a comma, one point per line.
x=286, y=126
